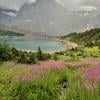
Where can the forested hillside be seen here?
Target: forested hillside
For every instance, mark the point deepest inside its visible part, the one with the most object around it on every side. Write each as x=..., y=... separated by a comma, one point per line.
x=9, y=33
x=88, y=38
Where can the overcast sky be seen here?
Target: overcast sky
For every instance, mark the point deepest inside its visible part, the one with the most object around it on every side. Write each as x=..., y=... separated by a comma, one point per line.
x=68, y=4
x=14, y=4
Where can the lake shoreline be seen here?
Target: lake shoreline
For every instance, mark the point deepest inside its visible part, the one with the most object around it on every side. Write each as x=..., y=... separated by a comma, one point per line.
x=31, y=45
x=34, y=51
x=68, y=44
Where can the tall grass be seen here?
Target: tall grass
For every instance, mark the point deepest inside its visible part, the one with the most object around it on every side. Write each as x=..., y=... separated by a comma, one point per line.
x=64, y=84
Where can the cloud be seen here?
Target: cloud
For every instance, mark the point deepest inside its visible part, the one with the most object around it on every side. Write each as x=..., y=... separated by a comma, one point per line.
x=14, y=4
x=69, y=4
x=87, y=5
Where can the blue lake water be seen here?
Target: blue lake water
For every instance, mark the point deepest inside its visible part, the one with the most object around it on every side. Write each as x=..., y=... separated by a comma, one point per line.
x=33, y=44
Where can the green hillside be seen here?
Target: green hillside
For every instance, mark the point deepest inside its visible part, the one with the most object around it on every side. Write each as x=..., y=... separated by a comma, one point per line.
x=9, y=33
x=88, y=38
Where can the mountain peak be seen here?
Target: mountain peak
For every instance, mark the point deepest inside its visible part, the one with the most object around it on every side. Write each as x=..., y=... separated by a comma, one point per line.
x=49, y=17
x=43, y=16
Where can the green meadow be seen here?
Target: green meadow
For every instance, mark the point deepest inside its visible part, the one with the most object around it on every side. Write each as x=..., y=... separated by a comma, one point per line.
x=72, y=74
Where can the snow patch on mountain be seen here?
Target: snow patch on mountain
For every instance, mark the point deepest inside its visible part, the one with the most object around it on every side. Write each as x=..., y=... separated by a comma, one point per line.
x=87, y=8
x=9, y=13
x=31, y=1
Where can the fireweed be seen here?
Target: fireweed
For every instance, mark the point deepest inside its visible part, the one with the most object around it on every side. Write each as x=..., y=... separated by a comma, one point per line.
x=40, y=69
x=91, y=76
x=35, y=80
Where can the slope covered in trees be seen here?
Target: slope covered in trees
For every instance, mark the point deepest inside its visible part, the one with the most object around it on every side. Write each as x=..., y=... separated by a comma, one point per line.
x=9, y=33
x=88, y=38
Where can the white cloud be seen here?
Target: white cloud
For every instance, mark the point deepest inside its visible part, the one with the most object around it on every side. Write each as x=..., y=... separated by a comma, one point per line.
x=69, y=4
x=14, y=4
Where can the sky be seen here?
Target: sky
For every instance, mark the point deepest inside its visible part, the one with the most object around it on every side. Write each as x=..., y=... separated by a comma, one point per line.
x=14, y=4
x=80, y=4
x=68, y=4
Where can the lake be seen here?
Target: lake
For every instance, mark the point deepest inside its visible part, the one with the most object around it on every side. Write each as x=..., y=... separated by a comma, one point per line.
x=33, y=44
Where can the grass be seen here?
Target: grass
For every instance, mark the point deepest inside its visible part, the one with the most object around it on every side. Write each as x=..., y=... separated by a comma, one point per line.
x=76, y=54
x=47, y=82
x=92, y=51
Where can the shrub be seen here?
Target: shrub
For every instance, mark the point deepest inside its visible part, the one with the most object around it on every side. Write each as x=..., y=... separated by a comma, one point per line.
x=5, y=53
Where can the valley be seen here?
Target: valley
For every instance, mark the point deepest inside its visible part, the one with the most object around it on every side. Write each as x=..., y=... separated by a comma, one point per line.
x=49, y=49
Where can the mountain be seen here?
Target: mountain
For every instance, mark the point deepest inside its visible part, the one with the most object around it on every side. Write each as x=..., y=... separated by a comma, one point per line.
x=6, y=15
x=88, y=38
x=44, y=16
x=50, y=18
x=9, y=33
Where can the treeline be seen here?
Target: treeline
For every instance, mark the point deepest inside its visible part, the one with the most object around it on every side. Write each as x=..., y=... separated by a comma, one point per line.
x=8, y=54
x=10, y=33
x=88, y=38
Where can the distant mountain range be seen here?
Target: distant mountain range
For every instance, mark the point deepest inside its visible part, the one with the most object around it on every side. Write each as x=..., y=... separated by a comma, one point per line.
x=9, y=33
x=48, y=17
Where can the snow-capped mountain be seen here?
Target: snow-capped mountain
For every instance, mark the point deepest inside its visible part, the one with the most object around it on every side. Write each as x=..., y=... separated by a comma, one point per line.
x=6, y=14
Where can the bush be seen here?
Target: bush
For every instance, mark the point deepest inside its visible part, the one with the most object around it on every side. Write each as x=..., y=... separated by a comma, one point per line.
x=26, y=58
x=5, y=53
x=55, y=57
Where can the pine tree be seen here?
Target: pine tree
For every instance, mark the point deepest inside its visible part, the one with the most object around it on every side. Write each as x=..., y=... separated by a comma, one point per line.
x=39, y=54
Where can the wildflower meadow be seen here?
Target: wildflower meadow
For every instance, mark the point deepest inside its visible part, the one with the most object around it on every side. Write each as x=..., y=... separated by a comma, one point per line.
x=51, y=80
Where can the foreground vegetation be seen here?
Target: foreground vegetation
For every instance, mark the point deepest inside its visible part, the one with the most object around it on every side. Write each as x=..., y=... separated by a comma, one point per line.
x=8, y=53
x=75, y=54
x=50, y=80
x=67, y=75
